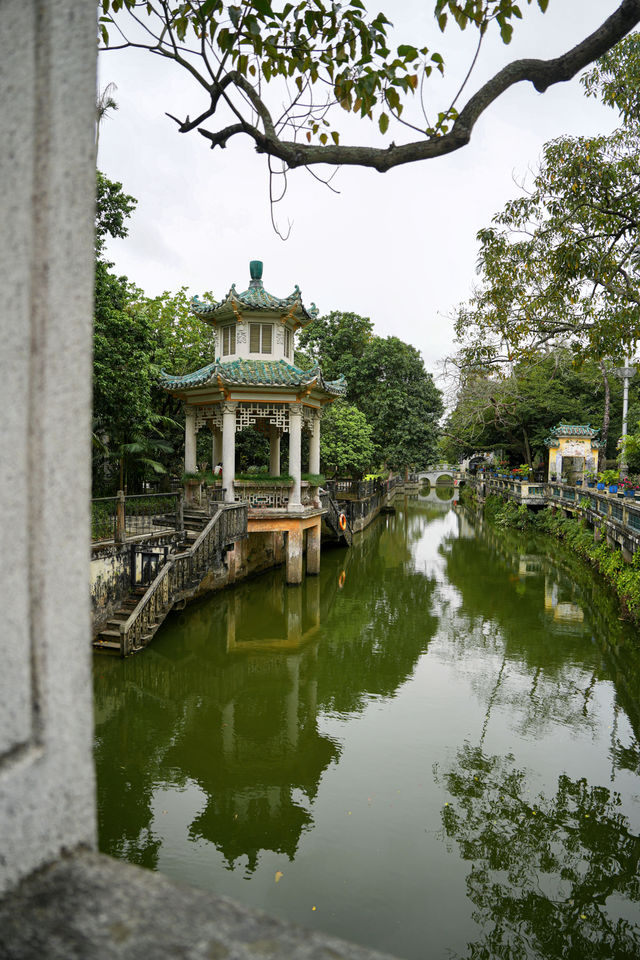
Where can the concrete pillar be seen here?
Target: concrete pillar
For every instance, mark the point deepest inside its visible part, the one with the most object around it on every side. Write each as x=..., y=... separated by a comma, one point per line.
x=278, y=547
x=294, y=555
x=313, y=548
x=295, y=452
x=228, y=449
x=314, y=445
x=189, y=440
x=274, y=451
x=47, y=202
x=216, y=447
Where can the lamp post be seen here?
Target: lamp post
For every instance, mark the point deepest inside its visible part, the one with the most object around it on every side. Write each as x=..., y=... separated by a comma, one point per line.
x=625, y=373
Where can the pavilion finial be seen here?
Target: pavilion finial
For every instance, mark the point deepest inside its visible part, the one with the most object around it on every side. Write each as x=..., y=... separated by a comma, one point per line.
x=255, y=269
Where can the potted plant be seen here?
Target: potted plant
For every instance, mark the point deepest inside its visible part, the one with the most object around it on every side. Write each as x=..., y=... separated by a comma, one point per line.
x=590, y=478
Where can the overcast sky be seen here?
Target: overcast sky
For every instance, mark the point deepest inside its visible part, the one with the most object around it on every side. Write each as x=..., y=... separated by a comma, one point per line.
x=398, y=247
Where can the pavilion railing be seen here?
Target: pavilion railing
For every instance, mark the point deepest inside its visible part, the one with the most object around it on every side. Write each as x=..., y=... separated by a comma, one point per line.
x=121, y=517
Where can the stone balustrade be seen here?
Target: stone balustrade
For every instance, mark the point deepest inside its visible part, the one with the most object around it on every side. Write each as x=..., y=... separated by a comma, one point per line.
x=612, y=515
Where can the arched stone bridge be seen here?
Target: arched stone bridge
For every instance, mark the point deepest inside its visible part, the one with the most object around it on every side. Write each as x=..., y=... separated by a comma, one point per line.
x=440, y=473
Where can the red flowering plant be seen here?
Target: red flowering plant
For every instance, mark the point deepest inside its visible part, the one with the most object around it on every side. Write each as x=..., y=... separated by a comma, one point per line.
x=629, y=483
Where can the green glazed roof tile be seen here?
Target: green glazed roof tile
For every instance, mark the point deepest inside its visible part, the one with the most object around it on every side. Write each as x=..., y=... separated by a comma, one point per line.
x=255, y=298
x=571, y=430
x=269, y=373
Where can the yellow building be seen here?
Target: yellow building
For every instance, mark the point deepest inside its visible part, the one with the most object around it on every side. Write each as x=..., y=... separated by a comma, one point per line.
x=573, y=450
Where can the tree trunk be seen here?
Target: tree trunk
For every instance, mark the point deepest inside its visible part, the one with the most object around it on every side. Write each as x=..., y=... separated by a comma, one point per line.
x=527, y=449
x=604, y=433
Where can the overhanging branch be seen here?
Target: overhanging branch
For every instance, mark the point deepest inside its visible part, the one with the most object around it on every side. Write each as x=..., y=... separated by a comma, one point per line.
x=542, y=74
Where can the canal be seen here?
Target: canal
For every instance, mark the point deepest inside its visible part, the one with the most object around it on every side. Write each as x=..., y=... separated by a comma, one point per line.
x=432, y=748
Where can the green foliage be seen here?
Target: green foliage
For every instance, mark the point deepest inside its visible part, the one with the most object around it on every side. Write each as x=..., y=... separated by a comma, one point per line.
x=265, y=479
x=337, y=341
x=623, y=577
x=113, y=207
x=630, y=448
x=346, y=447
x=182, y=342
x=308, y=43
x=315, y=479
x=615, y=79
x=559, y=264
x=103, y=520
x=400, y=400
x=609, y=476
x=386, y=381
x=515, y=412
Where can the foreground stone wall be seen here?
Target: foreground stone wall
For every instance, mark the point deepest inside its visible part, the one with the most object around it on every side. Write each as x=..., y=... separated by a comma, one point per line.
x=47, y=184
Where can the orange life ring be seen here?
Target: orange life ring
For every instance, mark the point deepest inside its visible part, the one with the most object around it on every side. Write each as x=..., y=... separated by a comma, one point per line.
x=342, y=522
x=341, y=579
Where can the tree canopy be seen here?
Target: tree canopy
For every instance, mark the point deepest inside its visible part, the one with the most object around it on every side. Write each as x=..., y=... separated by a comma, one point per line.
x=560, y=265
x=515, y=413
x=277, y=72
x=386, y=381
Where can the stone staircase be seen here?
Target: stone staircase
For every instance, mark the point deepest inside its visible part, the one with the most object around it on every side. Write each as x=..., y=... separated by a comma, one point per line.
x=137, y=619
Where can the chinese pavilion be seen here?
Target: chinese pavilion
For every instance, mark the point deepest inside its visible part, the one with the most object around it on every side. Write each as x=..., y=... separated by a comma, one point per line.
x=253, y=382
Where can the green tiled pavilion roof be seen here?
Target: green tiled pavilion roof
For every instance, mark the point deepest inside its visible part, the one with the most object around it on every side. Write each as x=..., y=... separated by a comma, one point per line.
x=270, y=373
x=571, y=430
x=256, y=299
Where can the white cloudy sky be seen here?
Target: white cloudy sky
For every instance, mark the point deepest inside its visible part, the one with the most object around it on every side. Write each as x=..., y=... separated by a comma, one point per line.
x=398, y=247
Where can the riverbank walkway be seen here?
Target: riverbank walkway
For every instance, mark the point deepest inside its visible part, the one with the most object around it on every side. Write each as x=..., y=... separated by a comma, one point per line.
x=610, y=513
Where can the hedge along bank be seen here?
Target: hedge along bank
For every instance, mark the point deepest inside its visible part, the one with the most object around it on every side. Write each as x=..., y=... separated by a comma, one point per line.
x=623, y=577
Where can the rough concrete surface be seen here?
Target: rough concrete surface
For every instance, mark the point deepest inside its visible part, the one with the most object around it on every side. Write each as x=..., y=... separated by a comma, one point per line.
x=47, y=186
x=89, y=907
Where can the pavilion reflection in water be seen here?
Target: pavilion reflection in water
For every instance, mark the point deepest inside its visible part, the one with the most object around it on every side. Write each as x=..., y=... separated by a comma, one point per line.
x=261, y=729
x=241, y=722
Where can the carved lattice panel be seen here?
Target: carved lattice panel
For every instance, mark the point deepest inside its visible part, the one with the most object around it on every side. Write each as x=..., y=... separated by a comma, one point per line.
x=206, y=414
x=248, y=415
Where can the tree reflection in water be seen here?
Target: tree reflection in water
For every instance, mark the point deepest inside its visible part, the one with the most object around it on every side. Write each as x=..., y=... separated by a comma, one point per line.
x=553, y=877
x=229, y=695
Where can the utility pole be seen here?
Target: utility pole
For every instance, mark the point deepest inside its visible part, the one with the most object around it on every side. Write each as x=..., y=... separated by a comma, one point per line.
x=626, y=373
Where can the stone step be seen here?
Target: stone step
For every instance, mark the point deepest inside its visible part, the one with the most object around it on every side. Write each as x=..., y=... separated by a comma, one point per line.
x=107, y=646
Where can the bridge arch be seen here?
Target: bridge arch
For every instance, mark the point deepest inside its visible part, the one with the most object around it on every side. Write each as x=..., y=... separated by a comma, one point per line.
x=440, y=474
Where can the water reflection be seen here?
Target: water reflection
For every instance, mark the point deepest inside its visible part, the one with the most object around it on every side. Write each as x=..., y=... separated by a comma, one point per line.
x=435, y=493
x=294, y=733
x=551, y=876
x=228, y=697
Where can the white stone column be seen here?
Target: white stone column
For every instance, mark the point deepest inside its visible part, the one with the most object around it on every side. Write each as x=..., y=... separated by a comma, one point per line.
x=295, y=447
x=274, y=450
x=314, y=445
x=216, y=447
x=228, y=449
x=189, y=440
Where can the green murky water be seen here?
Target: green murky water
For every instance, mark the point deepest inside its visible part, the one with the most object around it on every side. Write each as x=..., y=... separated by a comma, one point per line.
x=438, y=751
